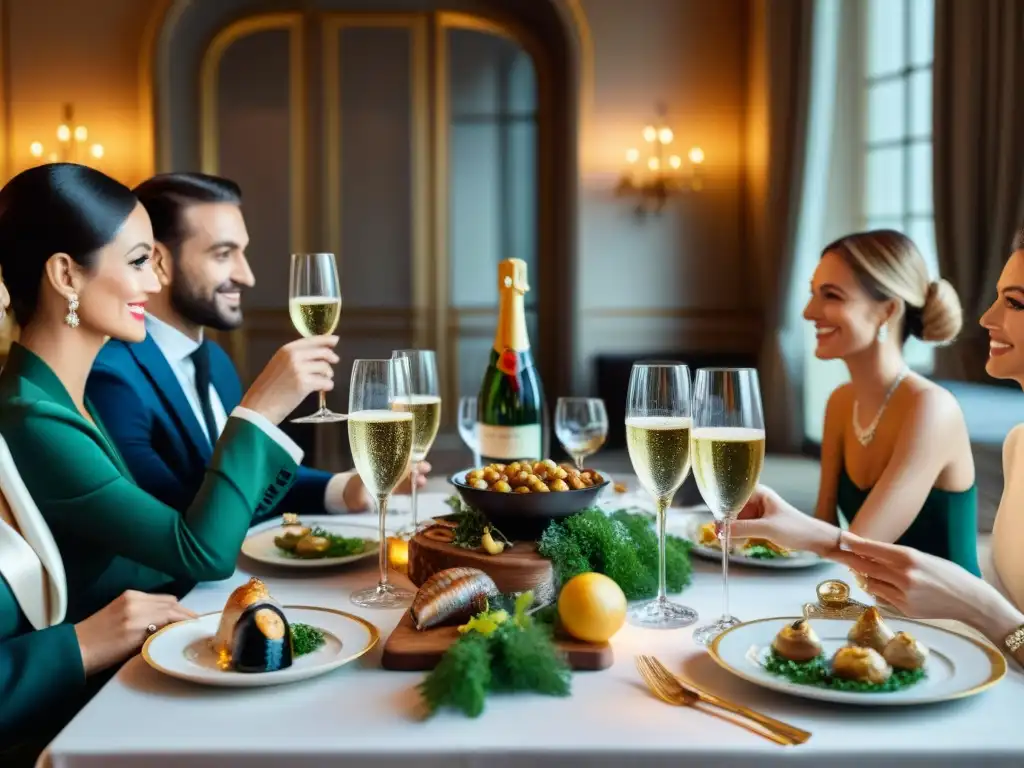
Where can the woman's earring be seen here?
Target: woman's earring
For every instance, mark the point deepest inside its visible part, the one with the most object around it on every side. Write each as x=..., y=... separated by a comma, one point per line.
x=71, y=318
x=883, y=333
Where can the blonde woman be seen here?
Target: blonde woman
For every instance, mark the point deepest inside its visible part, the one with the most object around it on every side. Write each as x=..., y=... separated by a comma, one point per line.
x=895, y=456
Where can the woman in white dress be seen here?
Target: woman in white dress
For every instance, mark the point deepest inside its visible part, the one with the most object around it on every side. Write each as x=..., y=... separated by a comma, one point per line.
x=916, y=583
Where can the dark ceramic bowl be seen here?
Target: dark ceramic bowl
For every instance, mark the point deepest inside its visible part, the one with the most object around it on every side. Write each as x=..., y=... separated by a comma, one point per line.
x=526, y=514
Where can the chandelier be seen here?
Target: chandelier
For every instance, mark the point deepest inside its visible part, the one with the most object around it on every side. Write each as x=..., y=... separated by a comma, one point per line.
x=656, y=174
x=71, y=145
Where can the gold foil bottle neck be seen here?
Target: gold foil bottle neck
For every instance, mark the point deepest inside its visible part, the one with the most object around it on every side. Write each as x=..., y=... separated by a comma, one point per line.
x=512, y=274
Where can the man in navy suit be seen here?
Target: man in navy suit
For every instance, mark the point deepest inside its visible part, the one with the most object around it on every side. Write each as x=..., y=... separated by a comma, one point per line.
x=165, y=400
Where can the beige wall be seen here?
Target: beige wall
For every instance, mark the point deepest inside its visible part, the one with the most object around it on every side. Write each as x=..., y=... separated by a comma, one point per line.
x=669, y=283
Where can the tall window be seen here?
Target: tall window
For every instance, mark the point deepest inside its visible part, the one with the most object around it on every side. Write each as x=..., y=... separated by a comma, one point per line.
x=898, y=130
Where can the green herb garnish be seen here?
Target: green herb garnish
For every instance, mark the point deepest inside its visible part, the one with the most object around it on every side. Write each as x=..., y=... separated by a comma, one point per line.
x=623, y=546
x=496, y=652
x=306, y=639
x=816, y=672
x=338, y=546
x=471, y=524
x=761, y=552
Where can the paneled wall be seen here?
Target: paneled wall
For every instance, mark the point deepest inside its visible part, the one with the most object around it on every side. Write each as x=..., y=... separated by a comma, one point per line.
x=678, y=281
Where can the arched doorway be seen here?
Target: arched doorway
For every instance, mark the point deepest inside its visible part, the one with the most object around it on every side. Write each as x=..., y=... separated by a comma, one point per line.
x=420, y=145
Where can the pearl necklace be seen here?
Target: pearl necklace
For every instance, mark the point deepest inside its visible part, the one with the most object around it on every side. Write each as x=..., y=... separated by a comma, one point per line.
x=865, y=436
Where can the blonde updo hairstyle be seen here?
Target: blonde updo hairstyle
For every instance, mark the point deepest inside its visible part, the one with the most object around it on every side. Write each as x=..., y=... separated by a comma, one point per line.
x=889, y=266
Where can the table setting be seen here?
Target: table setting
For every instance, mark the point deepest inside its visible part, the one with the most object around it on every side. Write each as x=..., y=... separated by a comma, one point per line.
x=535, y=612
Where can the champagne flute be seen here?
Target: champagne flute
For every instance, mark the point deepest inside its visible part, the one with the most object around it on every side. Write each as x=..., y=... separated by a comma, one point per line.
x=728, y=454
x=467, y=426
x=658, y=437
x=581, y=424
x=424, y=403
x=381, y=442
x=314, y=305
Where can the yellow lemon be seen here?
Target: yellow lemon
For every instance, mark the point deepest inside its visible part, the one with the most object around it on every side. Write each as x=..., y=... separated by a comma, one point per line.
x=592, y=607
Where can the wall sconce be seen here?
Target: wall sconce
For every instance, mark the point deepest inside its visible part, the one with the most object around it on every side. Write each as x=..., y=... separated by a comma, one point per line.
x=71, y=142
x=656, y=174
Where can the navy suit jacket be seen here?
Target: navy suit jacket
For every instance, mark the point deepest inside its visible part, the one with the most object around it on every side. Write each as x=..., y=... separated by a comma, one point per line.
x=146, y=413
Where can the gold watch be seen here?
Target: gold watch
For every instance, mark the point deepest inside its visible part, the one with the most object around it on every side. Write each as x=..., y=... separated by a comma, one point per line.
x=1015, y=640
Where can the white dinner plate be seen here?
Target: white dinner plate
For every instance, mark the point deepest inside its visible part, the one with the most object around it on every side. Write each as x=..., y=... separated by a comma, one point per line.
x=185, y=649
x=957, y=666
x=795, y=559
x=261, y=547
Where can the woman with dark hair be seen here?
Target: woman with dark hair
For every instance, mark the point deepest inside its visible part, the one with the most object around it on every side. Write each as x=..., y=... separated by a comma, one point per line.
x=896, y=457
x=74, y=252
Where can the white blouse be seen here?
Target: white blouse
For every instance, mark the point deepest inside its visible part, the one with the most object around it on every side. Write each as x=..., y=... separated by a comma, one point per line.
x=30, y=562
x=1006, y=570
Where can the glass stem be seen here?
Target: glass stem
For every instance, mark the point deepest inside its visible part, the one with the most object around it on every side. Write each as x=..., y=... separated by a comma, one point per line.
x=726, y=537
x=323, y=401
x=382, y=555
x=413, y=477
x=579, y=461
x=662, y=516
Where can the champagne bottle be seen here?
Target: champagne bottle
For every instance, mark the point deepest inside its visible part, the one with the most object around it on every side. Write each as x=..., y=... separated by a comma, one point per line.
x=510, y=405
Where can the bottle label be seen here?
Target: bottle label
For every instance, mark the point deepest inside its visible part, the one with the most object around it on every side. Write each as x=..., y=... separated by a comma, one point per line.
x=508, y=362
x=509, y=443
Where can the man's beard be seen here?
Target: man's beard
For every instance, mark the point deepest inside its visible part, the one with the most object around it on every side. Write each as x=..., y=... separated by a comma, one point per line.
x=203, y=310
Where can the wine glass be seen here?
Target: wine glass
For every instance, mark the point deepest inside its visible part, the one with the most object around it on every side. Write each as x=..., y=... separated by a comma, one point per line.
x=314, y=304
x=381, y=441
x=424, y=403
x=467, y=426
x=581, y=424
x=658, y=437
x=728, y=454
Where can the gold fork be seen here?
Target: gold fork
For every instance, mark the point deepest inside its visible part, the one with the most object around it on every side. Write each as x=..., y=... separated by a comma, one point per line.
x=673, y=690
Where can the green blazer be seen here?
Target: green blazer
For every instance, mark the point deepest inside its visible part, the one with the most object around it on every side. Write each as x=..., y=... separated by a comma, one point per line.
x=112, y=535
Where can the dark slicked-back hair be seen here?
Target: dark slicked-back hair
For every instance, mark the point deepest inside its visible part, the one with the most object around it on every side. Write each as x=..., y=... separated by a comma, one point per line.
x=166, y=196
x=1018, y=241
x=55, y=208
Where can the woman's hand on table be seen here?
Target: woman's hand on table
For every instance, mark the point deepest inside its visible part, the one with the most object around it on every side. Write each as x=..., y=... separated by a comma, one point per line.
x=928, y=587
x=768, y=516
x=357, y=498
x=118, y=631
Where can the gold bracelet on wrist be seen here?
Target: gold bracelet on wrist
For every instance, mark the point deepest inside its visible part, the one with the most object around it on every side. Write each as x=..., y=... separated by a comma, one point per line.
x=1015, y=640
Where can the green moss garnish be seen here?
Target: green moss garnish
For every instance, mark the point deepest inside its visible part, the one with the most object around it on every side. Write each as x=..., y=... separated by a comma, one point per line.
x=340, y=546
x=306, y=639
x=816, y=672
x=515, y=654
x=623, y=546
x=761, y=552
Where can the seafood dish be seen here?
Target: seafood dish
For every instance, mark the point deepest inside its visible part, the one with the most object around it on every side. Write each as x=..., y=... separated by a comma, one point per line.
x=707, y=536
x=870, y=631
x=797, y=642
x=874, y=658
x=253, y=634
x=454, y=593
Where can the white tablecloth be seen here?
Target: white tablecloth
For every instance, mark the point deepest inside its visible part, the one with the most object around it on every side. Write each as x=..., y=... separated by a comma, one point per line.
x=363, y=715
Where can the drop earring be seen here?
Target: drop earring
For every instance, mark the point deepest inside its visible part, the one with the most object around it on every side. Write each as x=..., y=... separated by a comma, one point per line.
x=71, y=318
x=883, y=333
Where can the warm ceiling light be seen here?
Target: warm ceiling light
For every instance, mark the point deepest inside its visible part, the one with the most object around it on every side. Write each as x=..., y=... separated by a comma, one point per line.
x=632, y=155
x=97, y=151
x=665, y=135
x=696, y=155
x=36, y=149
x=650, y=134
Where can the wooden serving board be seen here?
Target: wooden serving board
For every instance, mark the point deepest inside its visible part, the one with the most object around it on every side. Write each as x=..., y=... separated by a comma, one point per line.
x=410, y=650
x=515, y=570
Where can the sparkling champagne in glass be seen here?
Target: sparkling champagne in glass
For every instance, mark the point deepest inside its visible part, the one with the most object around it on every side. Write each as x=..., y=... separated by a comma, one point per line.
x=728, y=454
x=658, y=437
x=314, y=305
x=381, y=439
x=581, y=425
x=424, y=403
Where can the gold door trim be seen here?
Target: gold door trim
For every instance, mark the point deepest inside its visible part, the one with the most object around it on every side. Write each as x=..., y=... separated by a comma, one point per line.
x=209, y=76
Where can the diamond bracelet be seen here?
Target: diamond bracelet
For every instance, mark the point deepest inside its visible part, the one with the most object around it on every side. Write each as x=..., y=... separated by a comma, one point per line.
x=1015, y=640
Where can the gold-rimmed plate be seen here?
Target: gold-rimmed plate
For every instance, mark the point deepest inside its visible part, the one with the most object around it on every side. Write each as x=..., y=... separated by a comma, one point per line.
x=958, y=666
x=260, y=546
x=185, y=649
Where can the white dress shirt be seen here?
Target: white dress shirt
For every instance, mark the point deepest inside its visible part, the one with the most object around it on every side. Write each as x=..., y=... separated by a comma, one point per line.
x=178, y=348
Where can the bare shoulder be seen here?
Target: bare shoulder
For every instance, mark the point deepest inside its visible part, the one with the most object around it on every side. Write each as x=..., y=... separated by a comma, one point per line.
x=1012, y=444
x=932, y=404
x=841, y=399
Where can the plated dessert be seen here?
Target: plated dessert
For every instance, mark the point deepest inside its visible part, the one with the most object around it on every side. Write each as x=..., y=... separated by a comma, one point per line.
x=875, y=660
